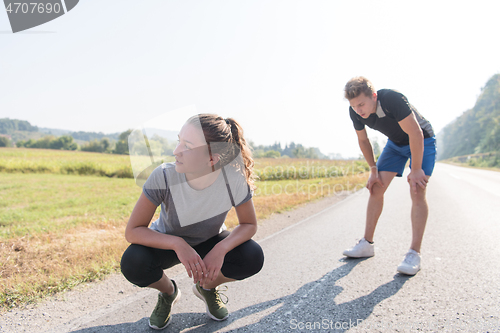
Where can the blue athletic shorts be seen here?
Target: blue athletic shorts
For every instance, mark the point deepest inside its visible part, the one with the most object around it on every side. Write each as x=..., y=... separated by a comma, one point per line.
x=394, y=157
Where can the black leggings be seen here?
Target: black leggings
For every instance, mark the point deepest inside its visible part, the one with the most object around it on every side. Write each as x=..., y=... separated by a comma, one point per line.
x=144, y=265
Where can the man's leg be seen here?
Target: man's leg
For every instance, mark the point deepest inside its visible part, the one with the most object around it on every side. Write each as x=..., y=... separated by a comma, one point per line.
x=376, y=203
x=419, y=213
x=363, y=248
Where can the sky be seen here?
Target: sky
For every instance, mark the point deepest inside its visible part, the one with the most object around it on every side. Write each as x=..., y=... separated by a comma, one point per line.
x=277, y=66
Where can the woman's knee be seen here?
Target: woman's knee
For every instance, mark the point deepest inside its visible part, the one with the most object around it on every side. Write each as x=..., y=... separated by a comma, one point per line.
x=133, y=256
x=243, y=261
x=136, y=264
x=252, y=253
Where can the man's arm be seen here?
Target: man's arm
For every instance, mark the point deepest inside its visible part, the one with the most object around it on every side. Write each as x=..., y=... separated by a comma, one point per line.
x=367, y=150
x=412, y=128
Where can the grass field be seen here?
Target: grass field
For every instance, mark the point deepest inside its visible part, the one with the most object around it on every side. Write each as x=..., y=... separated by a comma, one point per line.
x=64, y=162
x=489, y=161
x=60, y=228
x=285, y=169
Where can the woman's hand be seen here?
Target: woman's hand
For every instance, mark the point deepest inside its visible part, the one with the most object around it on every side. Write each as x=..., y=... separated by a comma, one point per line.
x=192, y=261
x=213, y=262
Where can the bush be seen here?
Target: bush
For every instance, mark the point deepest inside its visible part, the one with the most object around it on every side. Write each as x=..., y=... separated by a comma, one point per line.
x=488, y=160
x=4, y=141
x=96, y=146
x=272, y=153
x=122, y=143
x=64, y=142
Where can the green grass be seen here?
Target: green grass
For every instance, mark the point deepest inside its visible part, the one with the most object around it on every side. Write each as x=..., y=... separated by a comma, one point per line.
x=32, y=291
x=33, y=203
x=22, y=160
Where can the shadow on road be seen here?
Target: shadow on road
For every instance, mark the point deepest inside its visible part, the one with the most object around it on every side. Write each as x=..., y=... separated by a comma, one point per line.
x=312, y=304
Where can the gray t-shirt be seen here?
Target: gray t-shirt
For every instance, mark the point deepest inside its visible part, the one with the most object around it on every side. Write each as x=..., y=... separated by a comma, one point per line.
x=194, y=215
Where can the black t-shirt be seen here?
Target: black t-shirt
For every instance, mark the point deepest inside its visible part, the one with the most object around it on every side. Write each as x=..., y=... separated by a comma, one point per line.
x=391, y=109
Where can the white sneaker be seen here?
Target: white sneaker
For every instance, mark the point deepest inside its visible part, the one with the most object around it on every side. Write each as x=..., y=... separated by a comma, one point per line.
x=410, y=264
x=361, y=250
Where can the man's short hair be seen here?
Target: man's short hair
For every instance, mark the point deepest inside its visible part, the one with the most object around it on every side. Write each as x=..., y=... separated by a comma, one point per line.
x=357, y=85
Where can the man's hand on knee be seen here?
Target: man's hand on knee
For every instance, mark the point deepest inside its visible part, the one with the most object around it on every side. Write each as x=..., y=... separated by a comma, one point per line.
x=417, y=178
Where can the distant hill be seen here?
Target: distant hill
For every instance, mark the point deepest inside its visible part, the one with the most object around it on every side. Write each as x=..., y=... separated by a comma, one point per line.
x=80, y=136
x=53, y=131
x=9, y=126
x=22, y=130
x=477, y=130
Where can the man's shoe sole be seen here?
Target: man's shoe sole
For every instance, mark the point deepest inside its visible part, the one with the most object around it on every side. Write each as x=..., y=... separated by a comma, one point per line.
x=402, y=271
x=351, y=256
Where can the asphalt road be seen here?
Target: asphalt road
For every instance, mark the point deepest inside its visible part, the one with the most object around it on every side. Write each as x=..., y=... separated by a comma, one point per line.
x=307, y=285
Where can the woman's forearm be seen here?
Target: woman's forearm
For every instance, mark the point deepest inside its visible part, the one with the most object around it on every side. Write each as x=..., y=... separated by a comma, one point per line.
x=239, y=235
x=148, y=237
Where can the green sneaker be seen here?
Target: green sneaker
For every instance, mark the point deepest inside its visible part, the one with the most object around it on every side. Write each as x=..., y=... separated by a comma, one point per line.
x=160, y=318
x=216, y=308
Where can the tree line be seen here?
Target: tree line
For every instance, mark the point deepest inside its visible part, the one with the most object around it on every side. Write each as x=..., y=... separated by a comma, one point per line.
x=119, y=143
x=292, y=150
x=157, y=144
x=66, y=142
x=477, y=130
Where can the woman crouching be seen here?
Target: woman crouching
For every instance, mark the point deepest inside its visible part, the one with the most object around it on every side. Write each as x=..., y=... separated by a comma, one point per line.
x=213, y=172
